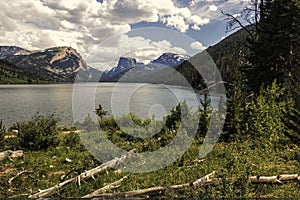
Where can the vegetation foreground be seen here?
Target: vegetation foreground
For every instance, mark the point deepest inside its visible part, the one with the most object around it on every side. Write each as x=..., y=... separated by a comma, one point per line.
x=54, y=155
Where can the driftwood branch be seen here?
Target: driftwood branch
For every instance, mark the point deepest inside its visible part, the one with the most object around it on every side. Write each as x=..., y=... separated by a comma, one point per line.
x=274, y=179
x=19, y=174
x=204, y=181
x=11, y=154
x=110, y=186
x=83, y=176
x=19, y=196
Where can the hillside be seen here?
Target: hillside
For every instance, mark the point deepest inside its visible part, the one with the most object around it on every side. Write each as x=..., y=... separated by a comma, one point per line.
x=58, y=64
x=224, y=54
x=10, y=73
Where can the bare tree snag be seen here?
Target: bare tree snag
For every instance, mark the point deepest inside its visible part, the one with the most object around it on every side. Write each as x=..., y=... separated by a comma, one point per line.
x=83, y=176
x=11, y=154
x=110, y=186
x=236, y=20
x=273, y=179
x=204, y=181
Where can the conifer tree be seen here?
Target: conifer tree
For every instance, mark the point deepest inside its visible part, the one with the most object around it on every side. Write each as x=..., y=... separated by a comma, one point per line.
x=236, y=103
x=275, y=50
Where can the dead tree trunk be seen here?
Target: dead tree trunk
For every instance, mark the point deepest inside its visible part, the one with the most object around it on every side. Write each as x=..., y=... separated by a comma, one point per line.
x=273, y=179
x=83, y=176
x=19, y=174
x=204, y=181
x=11, y=154
x=110, y=186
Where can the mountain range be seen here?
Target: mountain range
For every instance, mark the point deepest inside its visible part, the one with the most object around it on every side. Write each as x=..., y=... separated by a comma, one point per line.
x=63, y=64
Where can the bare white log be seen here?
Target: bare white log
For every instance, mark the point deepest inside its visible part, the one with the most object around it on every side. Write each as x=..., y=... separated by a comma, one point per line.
x=19, y=196
x=264, y=179
x=273, y=179
x=110, y=186
x=19, y=174
x=10, y=136
x=83, y=176
x=286, y=177
x=5, y=155
x=11, y=154
x=17, y=154
x=204, y=181
x=15, y=131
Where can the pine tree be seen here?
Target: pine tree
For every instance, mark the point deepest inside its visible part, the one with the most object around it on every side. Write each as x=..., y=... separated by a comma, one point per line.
x=275, y=50
x=100, y=111
x=205, y=114
x=2, y=132
x=236, y=92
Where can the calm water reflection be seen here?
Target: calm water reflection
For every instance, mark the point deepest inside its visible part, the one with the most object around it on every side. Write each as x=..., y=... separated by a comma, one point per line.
x=21, y=102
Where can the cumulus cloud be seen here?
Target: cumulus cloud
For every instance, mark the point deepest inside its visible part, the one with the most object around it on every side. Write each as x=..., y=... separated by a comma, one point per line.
x=177, y=22
x=134, y=11
x=209, y=8
x=39, y=24
x=199, y=21
x=197, y=46
x=213, y=8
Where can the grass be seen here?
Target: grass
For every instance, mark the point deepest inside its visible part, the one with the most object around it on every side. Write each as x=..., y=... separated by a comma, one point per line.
x=234, y=163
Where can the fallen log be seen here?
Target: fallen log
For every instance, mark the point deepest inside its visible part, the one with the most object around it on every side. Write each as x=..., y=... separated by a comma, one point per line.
x=19, y=174
x=11, y=154
x=10, y=136
x=110, y=186
x=273, y=179
x=83, y=176
x=204, y=181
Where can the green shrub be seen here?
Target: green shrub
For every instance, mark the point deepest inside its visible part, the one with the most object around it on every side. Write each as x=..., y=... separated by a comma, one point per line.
x=265, y=114
x=88, y=124
x=39, y=133
x=73, y=141
x=108, y=124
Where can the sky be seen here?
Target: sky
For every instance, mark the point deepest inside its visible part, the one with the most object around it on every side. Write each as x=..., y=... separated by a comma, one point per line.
x=104, y=30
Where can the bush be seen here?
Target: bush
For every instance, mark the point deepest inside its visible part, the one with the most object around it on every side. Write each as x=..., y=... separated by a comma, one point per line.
x=88, y=124
x=40, y=133
x=73, y=141
x=265, y=114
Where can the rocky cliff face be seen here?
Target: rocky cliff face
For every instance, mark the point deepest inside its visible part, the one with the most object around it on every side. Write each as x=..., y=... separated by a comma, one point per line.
x=169, y=60
x=59, y=64
x=130, y=70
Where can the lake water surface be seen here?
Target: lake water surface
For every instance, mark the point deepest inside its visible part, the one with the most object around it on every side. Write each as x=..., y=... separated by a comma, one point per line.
x=21, y=102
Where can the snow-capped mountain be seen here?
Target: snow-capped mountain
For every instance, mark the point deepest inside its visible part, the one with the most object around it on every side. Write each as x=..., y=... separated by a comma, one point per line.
x=124, y=65
x=134, y=68
x=169, y=60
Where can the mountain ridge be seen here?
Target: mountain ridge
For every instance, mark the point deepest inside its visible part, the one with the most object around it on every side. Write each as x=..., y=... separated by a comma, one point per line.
x=57, y=64
x=63, y=64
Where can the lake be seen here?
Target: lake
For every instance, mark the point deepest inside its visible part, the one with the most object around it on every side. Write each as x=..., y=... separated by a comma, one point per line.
x=21, y=102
